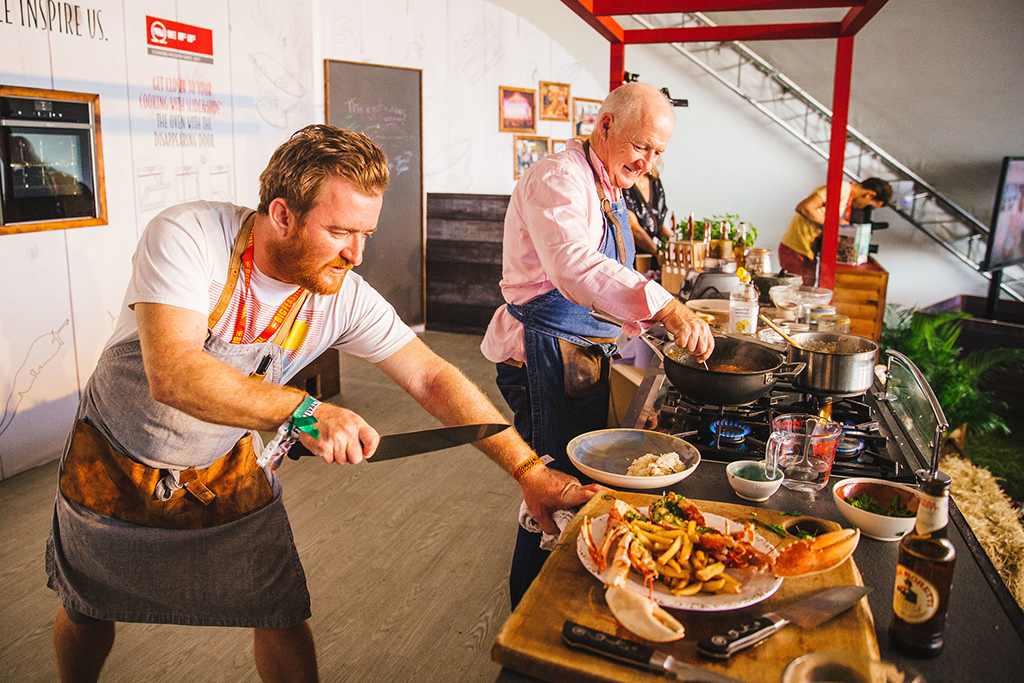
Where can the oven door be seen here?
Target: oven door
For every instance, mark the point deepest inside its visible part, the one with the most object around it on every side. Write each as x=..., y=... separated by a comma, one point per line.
x=47, y=172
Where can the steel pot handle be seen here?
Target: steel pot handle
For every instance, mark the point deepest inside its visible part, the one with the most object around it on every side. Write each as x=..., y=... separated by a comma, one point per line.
x=790, y=374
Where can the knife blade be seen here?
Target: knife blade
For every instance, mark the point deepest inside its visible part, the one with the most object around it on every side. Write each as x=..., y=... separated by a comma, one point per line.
x=806, y=613
x=631, y=652
x=399, y=445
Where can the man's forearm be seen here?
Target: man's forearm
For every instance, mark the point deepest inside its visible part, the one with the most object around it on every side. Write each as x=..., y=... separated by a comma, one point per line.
x=214, y=392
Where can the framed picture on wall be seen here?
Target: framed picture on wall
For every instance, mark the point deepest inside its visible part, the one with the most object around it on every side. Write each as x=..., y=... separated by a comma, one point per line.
x=554, y=101
x=517, y=110
x=529, y=149
x=556, y=146
x=584, y=116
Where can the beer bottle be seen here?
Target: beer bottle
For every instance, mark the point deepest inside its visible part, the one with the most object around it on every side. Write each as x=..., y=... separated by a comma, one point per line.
x=924, y=574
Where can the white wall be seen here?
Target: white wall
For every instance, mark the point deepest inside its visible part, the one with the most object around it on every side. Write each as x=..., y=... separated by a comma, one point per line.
x=60, y=290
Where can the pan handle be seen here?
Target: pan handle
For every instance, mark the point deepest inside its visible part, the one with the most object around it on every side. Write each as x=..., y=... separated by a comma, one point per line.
x=792, y=372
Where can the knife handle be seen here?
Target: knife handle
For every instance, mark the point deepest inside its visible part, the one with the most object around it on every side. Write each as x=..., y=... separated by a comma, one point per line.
x=579, y=636
x=297, y=450
x=747, y=634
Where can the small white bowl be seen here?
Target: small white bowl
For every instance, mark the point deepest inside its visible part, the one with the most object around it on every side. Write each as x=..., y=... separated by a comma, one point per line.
x=872, y=525
x=750, y=489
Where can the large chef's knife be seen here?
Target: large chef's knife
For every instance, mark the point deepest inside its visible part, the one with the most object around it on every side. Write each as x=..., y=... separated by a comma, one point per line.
x=393, y=446
x=632, y=652
x=806, y=613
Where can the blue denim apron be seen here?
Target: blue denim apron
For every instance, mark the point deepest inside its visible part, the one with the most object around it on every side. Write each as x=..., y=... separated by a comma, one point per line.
x=242, y=573
x=543, y=415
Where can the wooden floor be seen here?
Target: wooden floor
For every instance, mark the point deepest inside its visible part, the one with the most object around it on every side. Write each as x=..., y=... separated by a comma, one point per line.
x=406, y=561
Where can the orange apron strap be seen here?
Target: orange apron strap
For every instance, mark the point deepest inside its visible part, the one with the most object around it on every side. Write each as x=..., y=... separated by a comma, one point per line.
x=606, y=206
x=234, y=266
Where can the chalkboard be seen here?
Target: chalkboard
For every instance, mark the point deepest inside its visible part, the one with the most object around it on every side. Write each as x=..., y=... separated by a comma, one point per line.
x=385, y=103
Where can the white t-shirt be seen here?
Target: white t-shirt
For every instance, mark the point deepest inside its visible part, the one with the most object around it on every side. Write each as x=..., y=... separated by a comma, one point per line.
x=182, y=260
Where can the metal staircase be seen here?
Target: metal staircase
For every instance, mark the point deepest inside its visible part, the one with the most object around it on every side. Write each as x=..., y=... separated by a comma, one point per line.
x=785, y=103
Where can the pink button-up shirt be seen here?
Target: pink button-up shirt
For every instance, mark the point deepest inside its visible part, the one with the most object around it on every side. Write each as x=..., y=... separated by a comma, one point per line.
x=553, y=230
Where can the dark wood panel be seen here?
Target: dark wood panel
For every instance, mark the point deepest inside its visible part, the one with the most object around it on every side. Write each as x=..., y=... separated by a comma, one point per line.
x=468, y=230
x=464, y=245
x=467, y=206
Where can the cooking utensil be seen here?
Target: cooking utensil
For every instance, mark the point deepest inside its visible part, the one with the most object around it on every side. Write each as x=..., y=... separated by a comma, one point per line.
x=762, y=365
x=605, y=644
x=778, y=330
x=837, y=364
x=806, y=613
x=393, y=446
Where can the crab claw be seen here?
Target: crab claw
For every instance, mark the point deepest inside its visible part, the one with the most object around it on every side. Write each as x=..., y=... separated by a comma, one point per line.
x=643, y=616
x=818, y=554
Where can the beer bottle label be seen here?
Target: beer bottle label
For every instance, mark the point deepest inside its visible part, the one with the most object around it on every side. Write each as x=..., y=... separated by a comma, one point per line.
x=932, y=514
x=915, y=599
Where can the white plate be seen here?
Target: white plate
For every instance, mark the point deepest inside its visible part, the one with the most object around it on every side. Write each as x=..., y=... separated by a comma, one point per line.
x=606, y=454
x=757, y=586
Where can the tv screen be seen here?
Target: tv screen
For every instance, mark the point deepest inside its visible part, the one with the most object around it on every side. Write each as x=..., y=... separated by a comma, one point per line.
x=1006, y=238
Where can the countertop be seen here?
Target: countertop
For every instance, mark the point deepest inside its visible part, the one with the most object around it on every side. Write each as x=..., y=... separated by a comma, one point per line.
x=982, y=642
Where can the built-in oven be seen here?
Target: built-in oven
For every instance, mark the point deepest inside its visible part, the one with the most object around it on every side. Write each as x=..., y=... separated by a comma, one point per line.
x=49, y=159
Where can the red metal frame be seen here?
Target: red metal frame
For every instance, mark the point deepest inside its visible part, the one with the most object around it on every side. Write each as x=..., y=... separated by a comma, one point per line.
x=599, y=15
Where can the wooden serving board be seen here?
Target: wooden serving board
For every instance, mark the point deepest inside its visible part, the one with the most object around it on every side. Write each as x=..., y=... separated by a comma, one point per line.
x=531, y=639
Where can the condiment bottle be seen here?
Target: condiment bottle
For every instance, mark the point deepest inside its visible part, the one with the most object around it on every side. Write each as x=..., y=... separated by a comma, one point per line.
x=924, y=575
x=743, y=307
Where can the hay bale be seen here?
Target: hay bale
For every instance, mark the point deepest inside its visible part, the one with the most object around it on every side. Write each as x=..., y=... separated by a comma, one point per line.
x=991, y=517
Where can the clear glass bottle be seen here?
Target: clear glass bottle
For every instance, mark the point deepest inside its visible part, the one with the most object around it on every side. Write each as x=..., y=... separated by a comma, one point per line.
x=924, y=575
x=743, y=306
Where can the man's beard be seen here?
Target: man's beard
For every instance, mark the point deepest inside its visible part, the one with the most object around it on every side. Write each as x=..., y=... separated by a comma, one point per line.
x=294, y=258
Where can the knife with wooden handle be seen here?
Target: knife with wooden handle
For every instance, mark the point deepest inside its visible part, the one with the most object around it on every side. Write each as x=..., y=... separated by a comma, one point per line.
x=631, y=652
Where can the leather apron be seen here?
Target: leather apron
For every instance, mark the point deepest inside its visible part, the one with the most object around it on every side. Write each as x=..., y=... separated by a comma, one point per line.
x=101, y=476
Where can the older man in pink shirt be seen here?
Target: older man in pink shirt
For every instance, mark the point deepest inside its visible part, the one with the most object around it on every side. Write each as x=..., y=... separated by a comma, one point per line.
x=568, y=250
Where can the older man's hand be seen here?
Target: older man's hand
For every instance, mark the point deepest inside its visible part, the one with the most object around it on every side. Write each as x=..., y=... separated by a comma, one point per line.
x=547, y=490
x=689, y=331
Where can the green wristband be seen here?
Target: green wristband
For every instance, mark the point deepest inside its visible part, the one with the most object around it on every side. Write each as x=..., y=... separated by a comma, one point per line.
x=303, y=420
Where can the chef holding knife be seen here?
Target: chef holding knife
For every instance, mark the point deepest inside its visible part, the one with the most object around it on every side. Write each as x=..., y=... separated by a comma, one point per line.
x=163, y=514
x=568, y=250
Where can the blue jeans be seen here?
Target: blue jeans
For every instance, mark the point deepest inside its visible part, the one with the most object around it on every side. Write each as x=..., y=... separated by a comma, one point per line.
x=548, y=421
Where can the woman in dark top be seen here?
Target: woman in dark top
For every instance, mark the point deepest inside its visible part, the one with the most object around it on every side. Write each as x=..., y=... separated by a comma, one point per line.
x=647, y=212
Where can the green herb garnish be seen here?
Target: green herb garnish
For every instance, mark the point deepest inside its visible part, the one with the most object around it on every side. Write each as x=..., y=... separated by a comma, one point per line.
x=774, y=527
x=896, y=507
x=792, y=513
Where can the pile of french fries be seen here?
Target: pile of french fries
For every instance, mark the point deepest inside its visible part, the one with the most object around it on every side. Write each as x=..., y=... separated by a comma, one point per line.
x=682, y=565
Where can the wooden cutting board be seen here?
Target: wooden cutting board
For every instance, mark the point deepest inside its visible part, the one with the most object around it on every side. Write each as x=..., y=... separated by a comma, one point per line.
x=531, y=639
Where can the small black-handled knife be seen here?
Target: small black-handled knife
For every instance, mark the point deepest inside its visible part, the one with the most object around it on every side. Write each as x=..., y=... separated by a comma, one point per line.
x=630, y=652
x=806, y=613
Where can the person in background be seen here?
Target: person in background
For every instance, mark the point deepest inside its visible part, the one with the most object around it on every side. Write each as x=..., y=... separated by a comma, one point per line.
x=567, y=251
x=647, y=212
x=801, y=244
x=163, y=513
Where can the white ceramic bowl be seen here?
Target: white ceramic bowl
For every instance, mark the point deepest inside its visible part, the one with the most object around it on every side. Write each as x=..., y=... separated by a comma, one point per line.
x=606, y=454
x=749, y=489
x=872, y=525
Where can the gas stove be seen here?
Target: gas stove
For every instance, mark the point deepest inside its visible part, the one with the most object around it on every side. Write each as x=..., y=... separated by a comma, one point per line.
x=728, y=433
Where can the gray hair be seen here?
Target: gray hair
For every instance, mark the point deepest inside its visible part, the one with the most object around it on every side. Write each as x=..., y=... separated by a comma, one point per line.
x=630, y=101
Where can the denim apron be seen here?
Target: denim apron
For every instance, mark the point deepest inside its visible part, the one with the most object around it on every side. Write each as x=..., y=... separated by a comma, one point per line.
x=544, y=416
x=245, y=572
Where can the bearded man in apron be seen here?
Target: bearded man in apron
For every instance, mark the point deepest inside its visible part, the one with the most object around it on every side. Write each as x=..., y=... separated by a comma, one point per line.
x=163, y=514
x=568, y=250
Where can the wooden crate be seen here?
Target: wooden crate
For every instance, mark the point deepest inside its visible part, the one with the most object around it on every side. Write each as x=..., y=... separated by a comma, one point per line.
x=859, y=292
